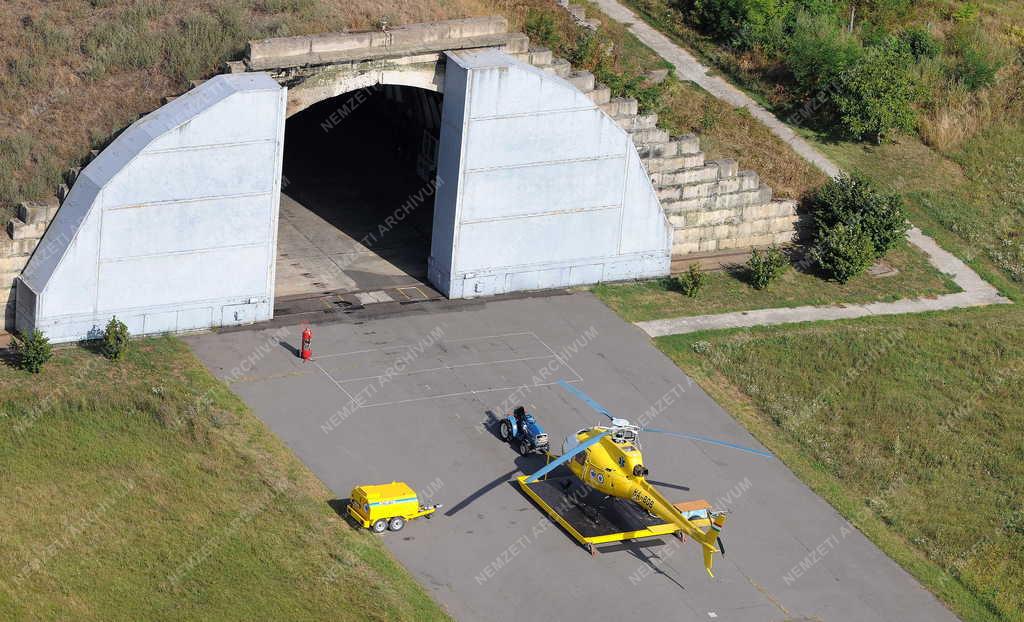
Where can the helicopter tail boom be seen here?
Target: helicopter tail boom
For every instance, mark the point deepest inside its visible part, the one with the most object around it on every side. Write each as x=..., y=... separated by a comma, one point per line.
x=648, y=497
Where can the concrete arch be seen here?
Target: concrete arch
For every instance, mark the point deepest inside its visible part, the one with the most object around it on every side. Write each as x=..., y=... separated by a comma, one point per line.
x=335, y=81
x=174, y=226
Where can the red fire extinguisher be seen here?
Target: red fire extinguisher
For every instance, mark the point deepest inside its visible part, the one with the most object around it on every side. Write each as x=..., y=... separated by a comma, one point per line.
x=307, y=337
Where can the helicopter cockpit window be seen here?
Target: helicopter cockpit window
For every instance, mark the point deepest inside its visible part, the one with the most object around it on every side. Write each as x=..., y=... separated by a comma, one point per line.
x=581, y=457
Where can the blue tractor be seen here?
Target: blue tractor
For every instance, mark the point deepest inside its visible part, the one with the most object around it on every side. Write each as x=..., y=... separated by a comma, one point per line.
x=523, y=431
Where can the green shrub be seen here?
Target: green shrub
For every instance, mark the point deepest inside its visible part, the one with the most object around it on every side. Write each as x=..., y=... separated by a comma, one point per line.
x=852, y=200
x=876, y=94
x=977, y=61
x=692, y=281
x=765, y=266
x=818, y=52
x=115, y=339
x=920, y=43
x=32, y=350
x=843, y=251
x=542, y=29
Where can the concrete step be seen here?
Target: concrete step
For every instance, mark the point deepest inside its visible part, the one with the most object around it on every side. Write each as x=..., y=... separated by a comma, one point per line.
x=680, y=177
x=517, y=43
x=658, y=150
x=592, y=23
x=559, y=66
x=578, y=11
x=7, y=293
x=7, y=280
x=726, y=168
x=540, y=56
x=10, y=247
x=583, y=80
x=743, y=205
x=637, y=121
x=18, y=229
x=620, y=106
x=649, y=136
x=38, y=211
x=672, y=163
x=13, y=263
x=669, y=195
x=194, y=83
x=600, y=95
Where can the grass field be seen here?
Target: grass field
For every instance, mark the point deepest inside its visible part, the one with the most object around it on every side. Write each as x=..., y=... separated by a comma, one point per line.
x=729, y=291
x=144, y=490
x=971, y=199
x=912, y=427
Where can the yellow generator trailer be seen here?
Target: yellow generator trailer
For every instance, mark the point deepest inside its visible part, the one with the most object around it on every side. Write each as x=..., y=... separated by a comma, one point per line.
x=386, y=506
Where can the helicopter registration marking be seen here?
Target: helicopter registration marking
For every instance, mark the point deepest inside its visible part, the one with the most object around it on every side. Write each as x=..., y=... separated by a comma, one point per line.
x=642, y=499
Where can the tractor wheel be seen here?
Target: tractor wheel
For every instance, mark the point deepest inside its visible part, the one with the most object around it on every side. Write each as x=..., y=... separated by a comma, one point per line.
x=379, y=526
x=505, y=431
x=524, y=448
x=396, y=523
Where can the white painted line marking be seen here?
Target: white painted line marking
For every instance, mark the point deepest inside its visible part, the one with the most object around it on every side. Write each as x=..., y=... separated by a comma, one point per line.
x=336, y=383
x=413, y=345
x=472, y=392
x=566, y=363
x=423, y=371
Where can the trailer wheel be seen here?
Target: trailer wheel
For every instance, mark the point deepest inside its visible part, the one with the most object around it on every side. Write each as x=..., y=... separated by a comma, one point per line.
x=396, y=523
x=591, y=549
x=379, y=526
x=505, y=430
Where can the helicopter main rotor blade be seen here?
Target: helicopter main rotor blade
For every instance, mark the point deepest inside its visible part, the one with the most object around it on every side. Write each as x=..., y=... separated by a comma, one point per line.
x=705, y=439
x=551, y=466
x=586, y=398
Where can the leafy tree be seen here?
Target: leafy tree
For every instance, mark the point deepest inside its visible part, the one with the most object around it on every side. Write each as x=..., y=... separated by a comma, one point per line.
x=765, y=266
x=852, y=200
x=115, y=339
x=692, y=281
x=843, y=251
x=818, y=52
x=33, y=350
x=919, y=42
x=876, y=94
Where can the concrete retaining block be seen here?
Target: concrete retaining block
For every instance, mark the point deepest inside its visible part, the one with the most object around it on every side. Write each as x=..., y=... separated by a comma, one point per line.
x=21, y=230
x=540, y=56
x=687, y=176
x=600, y=95
x=658, y=150
x=518, y=43
x=13, y=263
x=637, y=122
x=706, y=246
x=582, y=80
x=685, y=248
x=560, y=67
x=10, y=246
x=619, y=106
x=34, y=212
x=688, y=143
x=726, y=168
x=748, y=180
x=282, y=52
x=651, y=135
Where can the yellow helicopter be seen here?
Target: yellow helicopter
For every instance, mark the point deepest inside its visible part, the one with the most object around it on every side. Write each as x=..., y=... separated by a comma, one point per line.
x=608, y=459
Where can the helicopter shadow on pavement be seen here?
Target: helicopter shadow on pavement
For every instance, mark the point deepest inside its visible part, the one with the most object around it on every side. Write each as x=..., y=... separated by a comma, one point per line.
x=524, y=466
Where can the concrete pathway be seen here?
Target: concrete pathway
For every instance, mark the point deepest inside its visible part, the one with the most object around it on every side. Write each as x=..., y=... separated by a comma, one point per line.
x=977, y=292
